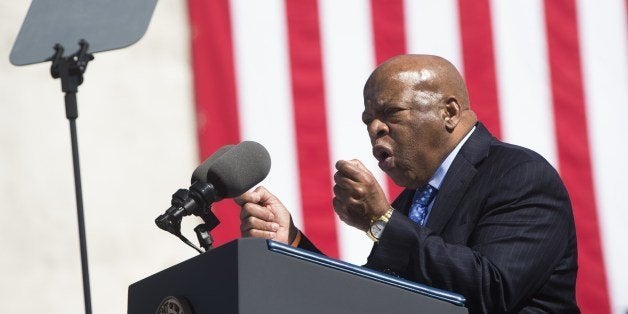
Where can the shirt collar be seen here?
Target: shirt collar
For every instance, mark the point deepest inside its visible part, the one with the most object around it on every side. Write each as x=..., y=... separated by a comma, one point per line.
x=441, y=171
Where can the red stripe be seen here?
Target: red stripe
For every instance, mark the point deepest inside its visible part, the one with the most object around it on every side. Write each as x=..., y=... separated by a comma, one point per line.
x=214, y=87
x=388, y=29
x=479, y=61
x=311, y=124
x=390, y=40
x=573, y=150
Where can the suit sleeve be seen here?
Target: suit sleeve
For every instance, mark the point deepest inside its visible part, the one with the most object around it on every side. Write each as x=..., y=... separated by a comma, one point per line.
x=306, y=244
x=519, y=238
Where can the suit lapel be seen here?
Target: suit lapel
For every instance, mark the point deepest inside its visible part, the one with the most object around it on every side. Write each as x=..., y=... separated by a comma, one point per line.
x=458, y=178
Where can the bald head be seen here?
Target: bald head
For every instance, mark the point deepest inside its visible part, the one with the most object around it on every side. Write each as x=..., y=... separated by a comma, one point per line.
x=425, y=72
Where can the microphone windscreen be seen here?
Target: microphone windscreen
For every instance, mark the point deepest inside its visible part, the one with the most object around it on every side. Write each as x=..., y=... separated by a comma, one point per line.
x=200, y=174
x=239, y=169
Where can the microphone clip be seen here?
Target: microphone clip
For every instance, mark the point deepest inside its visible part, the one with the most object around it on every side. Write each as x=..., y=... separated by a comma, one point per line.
x=195, y=201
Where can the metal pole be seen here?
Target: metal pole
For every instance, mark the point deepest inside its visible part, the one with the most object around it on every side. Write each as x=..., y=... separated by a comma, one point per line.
x=72, y=114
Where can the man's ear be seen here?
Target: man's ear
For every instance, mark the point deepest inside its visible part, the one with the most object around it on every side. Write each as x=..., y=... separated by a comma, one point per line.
x=452, y=113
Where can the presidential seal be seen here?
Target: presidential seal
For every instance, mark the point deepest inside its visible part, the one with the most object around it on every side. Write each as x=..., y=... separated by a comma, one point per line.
x=174, y=305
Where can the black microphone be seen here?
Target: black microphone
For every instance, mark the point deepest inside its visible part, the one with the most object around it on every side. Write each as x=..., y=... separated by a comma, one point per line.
x=236, y=170
x=229, y=172
x=202, y=170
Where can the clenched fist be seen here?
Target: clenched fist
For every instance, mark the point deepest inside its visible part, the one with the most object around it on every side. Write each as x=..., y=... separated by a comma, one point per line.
x=358, y=198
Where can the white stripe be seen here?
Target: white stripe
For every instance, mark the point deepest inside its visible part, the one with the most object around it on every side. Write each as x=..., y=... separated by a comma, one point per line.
x=604, y=47
x=523, y=76
x=432, y=27
x=348, y=58
x=264, y=92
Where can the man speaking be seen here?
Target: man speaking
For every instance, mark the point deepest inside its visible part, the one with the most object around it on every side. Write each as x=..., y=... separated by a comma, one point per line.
x=479, y=217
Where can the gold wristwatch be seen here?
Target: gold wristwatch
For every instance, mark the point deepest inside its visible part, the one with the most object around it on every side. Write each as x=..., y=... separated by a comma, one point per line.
x=377, y=226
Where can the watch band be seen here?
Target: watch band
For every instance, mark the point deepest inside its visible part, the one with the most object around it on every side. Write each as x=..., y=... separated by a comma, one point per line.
x=384, y=218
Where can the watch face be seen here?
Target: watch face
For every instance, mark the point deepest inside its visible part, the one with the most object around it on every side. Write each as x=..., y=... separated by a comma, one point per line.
x=377, y=228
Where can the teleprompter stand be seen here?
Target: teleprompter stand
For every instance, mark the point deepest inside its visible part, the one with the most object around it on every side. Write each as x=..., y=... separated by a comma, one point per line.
x=68, y=32
x=70, y=70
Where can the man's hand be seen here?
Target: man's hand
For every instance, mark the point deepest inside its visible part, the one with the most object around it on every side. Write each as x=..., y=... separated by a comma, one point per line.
x=358, y=197
x=262, y=215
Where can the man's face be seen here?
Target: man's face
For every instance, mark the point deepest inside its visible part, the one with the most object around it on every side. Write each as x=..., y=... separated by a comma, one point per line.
x=404, y=118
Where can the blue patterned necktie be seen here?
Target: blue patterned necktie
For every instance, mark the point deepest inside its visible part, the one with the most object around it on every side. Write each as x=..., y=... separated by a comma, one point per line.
x=422, y=199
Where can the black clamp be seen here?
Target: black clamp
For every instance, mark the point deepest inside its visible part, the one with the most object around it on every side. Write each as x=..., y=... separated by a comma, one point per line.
x=70, y=70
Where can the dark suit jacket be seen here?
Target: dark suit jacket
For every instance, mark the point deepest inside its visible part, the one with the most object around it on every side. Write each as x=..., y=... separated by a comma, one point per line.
x=501, y=233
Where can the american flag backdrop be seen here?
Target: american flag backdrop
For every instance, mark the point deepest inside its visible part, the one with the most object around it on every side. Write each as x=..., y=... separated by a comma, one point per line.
x=549, y=75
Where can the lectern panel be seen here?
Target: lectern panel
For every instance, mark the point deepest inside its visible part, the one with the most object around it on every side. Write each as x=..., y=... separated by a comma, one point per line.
x=245, y=276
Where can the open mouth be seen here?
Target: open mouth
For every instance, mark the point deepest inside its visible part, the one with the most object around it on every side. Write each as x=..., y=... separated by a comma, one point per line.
x=384, y=155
